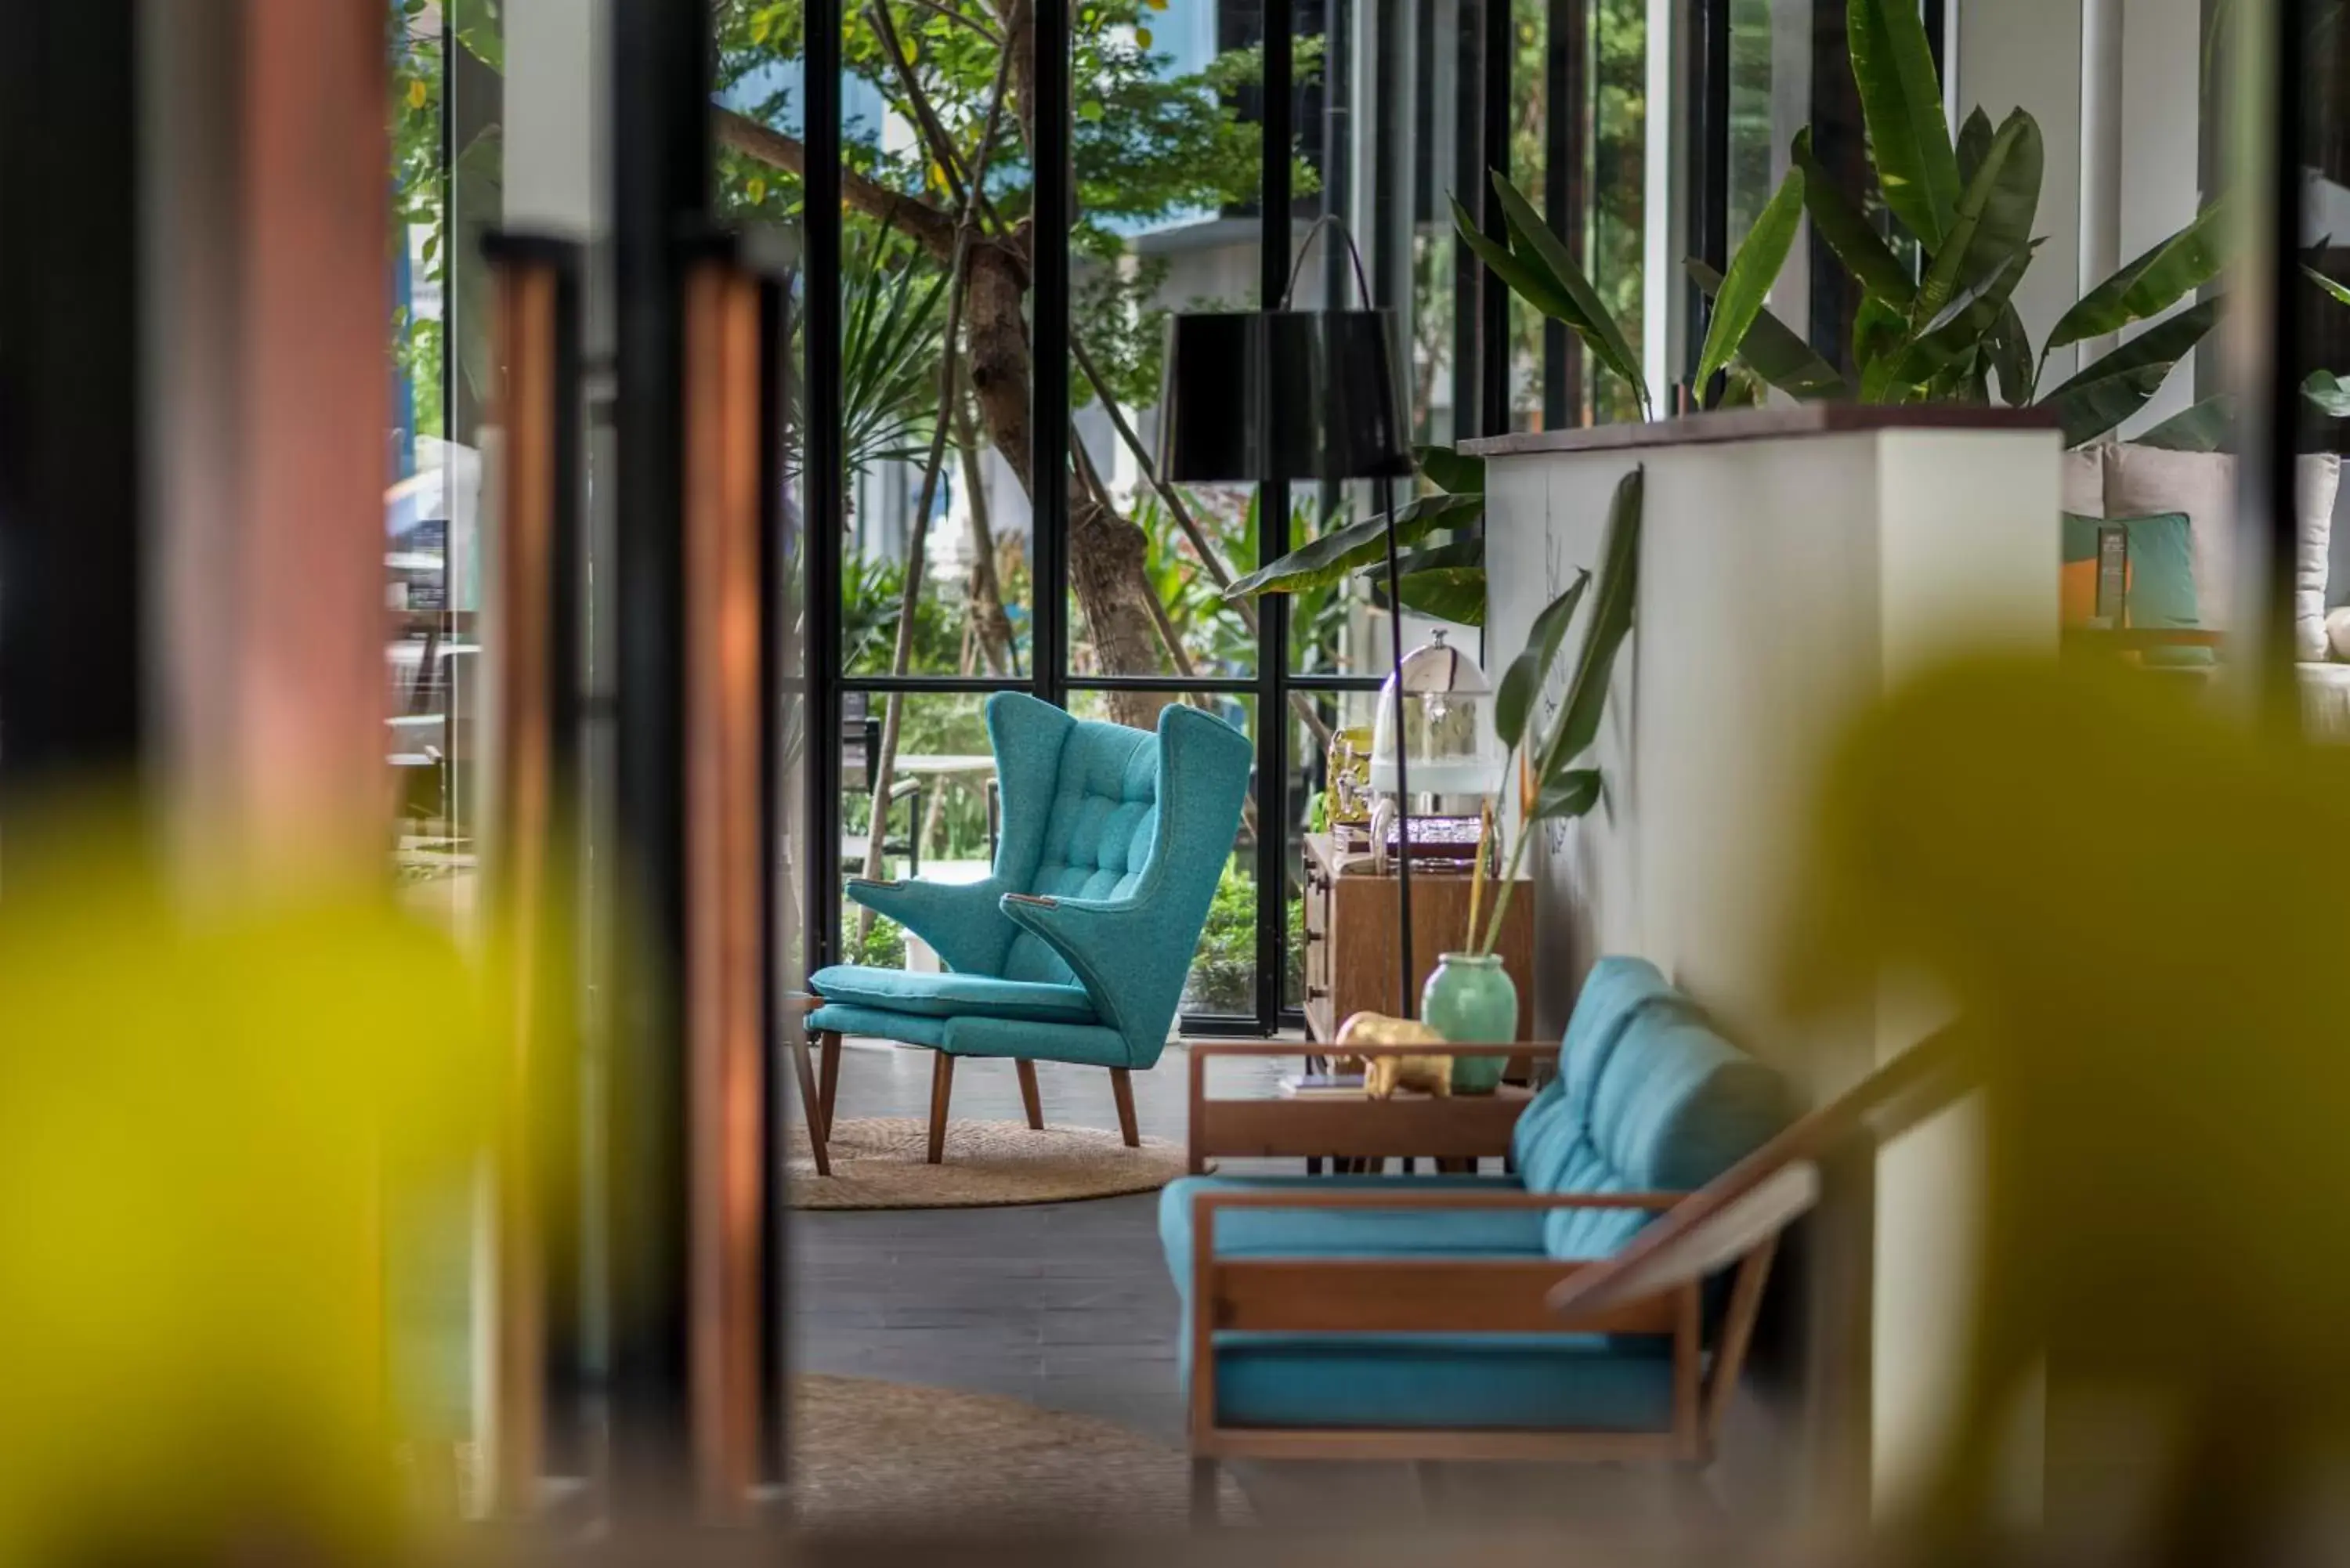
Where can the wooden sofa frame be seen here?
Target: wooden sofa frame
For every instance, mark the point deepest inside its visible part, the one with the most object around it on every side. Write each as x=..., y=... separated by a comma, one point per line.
x=1349, y=1295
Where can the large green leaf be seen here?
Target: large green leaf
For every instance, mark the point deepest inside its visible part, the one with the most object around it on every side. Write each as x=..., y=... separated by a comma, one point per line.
x=1752, y=270
x=2328, y=393
x=1527, y=281
x=1902, y=103
x=2149, y=285
x=1611, y=622
x=1774, y=351
x=1532, y=239
x=2206, y=427
x=1335, y=555
x=1515, y=703
x=1974, y=140
x=1956, y=338
x=1454, y=472
x=1456, y=594
x=2009, y=347
x=1993, y=221
x=2120, y=384
x=1569, y=795
x=2328, y=285
x=1852, y=238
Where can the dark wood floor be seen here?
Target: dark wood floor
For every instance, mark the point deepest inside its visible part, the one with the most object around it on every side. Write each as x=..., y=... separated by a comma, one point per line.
x=1069, y=1305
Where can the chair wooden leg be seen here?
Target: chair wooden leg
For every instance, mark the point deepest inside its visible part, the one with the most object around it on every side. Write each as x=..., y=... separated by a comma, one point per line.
x=809, y=1106
x=1029, y=1095
x=941, y=1088
x=828, y=1042
x=1121, y=1083
x=1205, y=1485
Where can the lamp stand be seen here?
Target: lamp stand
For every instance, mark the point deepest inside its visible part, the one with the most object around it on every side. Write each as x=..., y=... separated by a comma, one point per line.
x=1407, y=1005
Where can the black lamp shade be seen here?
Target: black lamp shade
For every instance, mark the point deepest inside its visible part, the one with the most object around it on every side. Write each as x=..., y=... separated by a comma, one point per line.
x=1280, y=395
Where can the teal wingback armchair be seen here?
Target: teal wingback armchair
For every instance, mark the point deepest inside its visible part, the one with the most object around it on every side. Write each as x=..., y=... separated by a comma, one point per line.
x=1075, y=949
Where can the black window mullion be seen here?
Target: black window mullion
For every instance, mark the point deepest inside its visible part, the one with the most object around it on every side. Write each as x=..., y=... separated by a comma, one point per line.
x=1490, y=91
x=1708, y=217
x=827, y=481
x=1273, y=540
x=1564, y=149
x=1048, y=389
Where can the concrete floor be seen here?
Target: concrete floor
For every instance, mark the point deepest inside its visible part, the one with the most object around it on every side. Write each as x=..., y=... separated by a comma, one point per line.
x=1068, y=1307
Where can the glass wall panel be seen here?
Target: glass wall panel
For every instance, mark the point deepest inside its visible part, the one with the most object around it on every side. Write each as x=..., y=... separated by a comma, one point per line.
x=1224, y=971
x=1166, y=136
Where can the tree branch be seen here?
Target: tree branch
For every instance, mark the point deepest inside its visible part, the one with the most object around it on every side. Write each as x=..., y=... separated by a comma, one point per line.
x=932, y=230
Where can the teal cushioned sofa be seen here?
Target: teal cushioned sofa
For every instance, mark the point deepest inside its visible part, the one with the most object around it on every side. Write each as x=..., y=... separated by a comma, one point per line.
x=1404, y=1317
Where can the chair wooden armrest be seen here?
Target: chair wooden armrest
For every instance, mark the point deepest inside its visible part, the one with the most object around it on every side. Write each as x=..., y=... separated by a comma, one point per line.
x=1457, y=1126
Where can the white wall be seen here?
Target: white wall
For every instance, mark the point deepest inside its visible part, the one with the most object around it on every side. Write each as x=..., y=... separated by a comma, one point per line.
x=2027, y=54
x=1784, y=583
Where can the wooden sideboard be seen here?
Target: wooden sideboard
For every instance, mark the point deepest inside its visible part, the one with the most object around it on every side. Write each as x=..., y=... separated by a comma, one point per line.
x=1351, y=940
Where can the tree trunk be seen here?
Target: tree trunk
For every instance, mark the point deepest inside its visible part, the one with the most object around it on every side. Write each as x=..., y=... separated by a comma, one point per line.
x=990, y=623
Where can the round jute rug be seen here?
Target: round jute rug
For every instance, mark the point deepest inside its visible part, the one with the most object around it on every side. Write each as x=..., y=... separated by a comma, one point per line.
x=869, y=1455
x=882, y=1162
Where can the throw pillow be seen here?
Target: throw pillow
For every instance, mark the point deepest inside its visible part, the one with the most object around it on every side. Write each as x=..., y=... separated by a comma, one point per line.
x=2159, y=589
x=2143, y=481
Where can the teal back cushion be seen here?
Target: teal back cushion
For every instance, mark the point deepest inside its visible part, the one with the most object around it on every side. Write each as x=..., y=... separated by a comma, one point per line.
x=1648, y=1100
x=1102, y=816
x=2161, y=575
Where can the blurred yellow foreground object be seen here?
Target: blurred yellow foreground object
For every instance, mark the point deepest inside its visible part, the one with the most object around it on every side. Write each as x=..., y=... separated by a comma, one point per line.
x=201, y=1118
x=2141, y=912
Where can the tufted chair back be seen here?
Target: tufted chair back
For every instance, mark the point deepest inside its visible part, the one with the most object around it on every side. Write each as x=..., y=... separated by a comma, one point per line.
x=1099, y=819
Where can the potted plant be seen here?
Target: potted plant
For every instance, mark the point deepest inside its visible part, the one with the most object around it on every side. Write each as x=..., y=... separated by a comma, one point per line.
x=1942, y=329
x=1470, y=997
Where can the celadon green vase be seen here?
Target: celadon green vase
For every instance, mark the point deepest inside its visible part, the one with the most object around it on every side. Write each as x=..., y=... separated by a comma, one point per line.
x=1470, y=1000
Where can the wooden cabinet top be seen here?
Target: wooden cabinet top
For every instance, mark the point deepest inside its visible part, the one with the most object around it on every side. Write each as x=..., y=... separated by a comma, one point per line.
x=1323, y=854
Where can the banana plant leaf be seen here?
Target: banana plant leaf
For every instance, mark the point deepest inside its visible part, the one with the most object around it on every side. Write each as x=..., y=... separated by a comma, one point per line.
x=2149, y=285
x=1571, y=793
x=2206, y=427
x=1454, y=472
x=1852, y=238
x=1514, y=702
x=1993, y=221
x=1528, y=281
x=2328, y=393
x=1611, y=621
x=2009, y=348
x=1532, y=240
x=1336, y=555
x=1955, y=337
x=1456, y=594
x=1773, y=350
x=1756, y=266
x=1974, y=140
x=2124, y=381
x=1902, y=103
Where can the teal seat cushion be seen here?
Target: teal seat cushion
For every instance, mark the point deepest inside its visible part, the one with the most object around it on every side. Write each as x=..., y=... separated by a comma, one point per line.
x=1575, y=1382
x=913, y=1028
x=1518, y=1381
x=952, y=995
x=1348, y=1233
